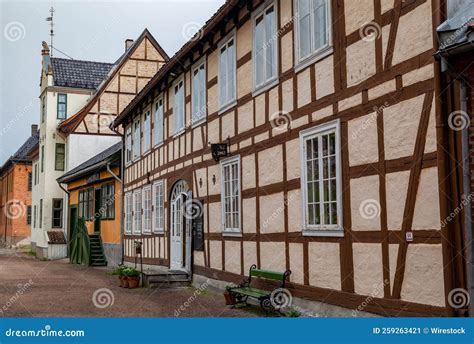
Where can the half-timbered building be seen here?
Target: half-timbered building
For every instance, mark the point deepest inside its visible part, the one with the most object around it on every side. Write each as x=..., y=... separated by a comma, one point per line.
x=302, y=135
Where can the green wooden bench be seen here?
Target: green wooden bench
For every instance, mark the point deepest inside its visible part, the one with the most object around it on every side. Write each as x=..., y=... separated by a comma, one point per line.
x=244, y=290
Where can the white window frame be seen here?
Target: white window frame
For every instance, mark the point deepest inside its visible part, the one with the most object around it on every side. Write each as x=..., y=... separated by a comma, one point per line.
x=322, y=229
x=158, y=122
x=147, y=209
x=229, y=102
x=128, y=145
x=158, y=207
x=314, y=55
x=134, y=143
x=146, y=131
x=224, y=163
x=268, y=82
x=201, y=110
x=128, y=211
x=137, y=194
x=181, y=106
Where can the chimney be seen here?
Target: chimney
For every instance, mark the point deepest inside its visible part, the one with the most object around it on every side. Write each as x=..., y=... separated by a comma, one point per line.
x=45, y=50
x=128, y=43
x=34, y=129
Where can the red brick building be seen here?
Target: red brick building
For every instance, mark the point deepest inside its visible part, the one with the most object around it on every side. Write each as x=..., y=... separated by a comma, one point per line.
x=16, y=180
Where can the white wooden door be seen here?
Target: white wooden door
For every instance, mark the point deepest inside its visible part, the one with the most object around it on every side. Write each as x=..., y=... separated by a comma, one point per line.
x=177, y=226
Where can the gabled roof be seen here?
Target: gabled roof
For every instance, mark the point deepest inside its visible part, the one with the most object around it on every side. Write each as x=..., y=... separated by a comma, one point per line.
x=21, y=155
x=209, y=27
x=95, y=163
x=79, y=74
x=69, y=125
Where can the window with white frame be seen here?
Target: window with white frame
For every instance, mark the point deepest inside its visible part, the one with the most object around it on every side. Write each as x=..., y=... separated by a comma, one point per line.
x=137, y=212
x=178, y=107
x=128, y=144
x=128, y=206
x=136, y=139
x=198, y=101
x=265, y=46
x=146, y=226
x=230, y=172
x=321, y=177
x=146, y=131
x=312, y=27
x=158, y=207
x=227, y=73
x=158, y=128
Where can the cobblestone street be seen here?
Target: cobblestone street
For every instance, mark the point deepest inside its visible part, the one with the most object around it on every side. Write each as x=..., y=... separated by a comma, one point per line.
x=33, y=288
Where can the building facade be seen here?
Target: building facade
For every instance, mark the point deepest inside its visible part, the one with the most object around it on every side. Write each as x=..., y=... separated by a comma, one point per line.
x=94, y=193
x=78, y=101
x=16, y=182
x=301, y=135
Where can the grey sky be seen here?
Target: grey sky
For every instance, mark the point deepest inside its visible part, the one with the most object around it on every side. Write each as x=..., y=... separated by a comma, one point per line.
x=86, y=30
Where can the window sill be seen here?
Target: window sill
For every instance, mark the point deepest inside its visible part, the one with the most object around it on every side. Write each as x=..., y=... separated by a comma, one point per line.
x=160, y=233
x=159, y=144
x=265, y=87
x=338, y=233
x=179, y=133
x=198, y=122
x=232, y=234
x=227, y=107
x=317, y=56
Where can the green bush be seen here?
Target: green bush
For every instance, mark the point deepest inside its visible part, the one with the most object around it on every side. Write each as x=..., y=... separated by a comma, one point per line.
x=131, y=272
x=119, y=270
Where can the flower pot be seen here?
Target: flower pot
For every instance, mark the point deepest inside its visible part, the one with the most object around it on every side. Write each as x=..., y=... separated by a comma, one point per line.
x=124, y=282
x=229, y=298
x=120, y=281
x=133, y=282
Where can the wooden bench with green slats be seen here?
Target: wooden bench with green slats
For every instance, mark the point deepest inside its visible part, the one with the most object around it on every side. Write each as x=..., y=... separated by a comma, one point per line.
x=244, y=290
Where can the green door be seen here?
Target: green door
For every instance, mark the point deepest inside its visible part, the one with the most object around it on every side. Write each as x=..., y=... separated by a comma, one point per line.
x=72, y=225
x=98, y=212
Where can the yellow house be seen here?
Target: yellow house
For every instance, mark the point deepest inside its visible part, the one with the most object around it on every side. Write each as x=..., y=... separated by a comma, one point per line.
x=94, y=194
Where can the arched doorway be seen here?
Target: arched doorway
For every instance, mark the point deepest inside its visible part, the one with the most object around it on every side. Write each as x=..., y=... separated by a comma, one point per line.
x=180, y=225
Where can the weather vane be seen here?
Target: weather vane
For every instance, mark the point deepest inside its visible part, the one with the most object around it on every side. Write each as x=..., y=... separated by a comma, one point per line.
x=51, y=31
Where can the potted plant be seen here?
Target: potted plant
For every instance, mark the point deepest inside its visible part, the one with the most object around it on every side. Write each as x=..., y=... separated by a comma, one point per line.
x=120, y=271
x=133, y=277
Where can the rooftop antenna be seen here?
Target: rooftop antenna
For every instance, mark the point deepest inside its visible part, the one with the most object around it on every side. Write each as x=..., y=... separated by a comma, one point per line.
x=51, y=24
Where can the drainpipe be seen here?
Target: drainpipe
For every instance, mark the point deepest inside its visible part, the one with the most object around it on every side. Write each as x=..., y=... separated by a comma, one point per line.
x=121, y=205
x=468, y=202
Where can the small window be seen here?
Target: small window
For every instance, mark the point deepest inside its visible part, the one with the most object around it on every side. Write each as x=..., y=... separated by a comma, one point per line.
x=136, y=140
x=227, y=73
x=178, y=108
x=108, y=201
x=158, y=128
x=158, y=207
x=28, y=215
x=137, y=212
x=35, y=215
x=59, y=158
x=198, y=101
x=62, y=106
x=321, y=178
x=230, y=170
x=43, y=109
x=146, y=132
x=265, y=47
x=30, y=181
x=128, y=145
x=147, y=209
x=57, y=213
x=312, y=27
x=41, y=214
x=42, y=159
x=36, y=174
x=128, y=212
x=86, y=203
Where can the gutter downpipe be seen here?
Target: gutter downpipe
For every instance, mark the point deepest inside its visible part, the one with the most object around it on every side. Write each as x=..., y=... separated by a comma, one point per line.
x=121, y=205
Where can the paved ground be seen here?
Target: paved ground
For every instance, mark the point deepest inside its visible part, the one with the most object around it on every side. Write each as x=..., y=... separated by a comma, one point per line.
x=34, y=288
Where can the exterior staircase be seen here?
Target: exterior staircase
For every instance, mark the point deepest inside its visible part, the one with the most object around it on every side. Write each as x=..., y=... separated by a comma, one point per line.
x=97, y=251
x=165, y=278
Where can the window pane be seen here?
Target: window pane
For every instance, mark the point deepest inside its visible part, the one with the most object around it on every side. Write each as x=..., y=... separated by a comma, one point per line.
x=304, y=36
x=319, y=23
x=270, y=42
